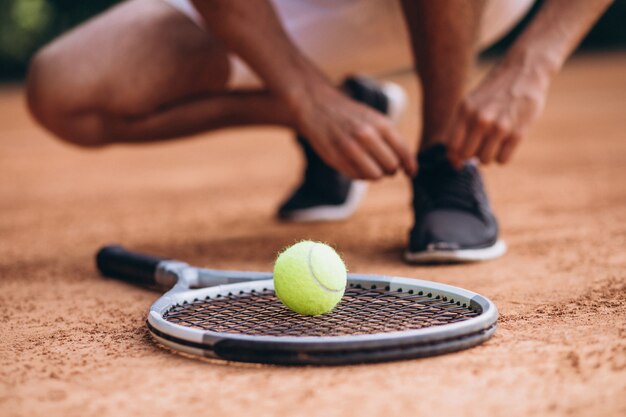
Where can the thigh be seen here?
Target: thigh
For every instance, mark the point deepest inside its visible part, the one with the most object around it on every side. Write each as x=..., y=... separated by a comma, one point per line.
x=341, y=37
x=371, y=36
x=351, y=35
x=499, y=17
x=136, y=57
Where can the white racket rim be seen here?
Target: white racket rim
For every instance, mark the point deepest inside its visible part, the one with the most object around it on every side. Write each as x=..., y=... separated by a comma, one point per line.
x=175, y=335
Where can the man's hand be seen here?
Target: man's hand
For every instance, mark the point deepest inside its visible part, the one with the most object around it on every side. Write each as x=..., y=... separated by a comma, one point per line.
x=351, y=137
x=493, y=118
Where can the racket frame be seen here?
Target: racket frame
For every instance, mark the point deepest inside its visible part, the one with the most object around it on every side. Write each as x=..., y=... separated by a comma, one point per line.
x=190, y=283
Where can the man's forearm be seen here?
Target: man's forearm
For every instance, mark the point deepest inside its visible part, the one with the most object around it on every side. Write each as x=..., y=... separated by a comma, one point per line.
x=349, y=136
x=443, y=37
x=253, y=31
x=553, y=34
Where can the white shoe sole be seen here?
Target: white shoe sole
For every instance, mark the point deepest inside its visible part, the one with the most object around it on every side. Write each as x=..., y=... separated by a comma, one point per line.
x=397, y=100
x=457, y=256
x=397, y=103
x=328, y=213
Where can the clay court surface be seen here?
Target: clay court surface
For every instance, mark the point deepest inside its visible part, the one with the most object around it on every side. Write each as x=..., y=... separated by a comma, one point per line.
x=74, y=344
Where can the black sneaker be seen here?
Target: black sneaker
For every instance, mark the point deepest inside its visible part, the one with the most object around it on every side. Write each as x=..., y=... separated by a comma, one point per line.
x=453, y=220
x=326, y=194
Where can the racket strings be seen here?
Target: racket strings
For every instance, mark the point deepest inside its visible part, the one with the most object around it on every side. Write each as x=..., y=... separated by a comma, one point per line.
x=361, y=311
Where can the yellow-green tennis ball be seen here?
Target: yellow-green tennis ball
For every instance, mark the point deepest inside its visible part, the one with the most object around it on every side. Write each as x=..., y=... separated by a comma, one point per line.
x=309, y=278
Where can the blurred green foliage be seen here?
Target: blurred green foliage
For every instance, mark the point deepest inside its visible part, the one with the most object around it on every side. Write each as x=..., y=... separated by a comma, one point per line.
x=20, y=23
x=26, y=25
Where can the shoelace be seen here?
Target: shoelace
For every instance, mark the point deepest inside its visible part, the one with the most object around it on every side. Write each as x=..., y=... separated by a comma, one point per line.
x=447, y=188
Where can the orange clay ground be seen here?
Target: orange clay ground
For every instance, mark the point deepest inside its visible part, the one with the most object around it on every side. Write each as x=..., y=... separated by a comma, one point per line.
x=74, y=344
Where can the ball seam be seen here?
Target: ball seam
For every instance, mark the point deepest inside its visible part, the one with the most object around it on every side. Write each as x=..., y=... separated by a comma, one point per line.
x=312, y=272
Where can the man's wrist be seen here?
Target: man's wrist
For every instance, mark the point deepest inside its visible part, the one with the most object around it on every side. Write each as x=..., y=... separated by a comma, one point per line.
x=539, y=63
x=298, y=95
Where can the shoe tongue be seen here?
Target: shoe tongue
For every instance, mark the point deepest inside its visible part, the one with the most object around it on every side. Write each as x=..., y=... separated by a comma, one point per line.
x=446, y=186
x=434, y=158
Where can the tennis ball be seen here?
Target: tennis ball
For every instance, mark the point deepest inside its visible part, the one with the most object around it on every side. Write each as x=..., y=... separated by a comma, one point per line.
x=309, y=278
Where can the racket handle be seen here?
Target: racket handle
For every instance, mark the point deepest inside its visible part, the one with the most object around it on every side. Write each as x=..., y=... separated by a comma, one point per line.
x=116, y=262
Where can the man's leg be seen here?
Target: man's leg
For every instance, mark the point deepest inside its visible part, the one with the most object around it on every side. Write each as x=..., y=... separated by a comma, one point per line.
x=444, y=35
x=141, y=71
x=453, y=220
x=325, y=194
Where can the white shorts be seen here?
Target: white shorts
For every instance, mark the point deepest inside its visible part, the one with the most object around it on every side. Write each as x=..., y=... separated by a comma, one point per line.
x=350, y=36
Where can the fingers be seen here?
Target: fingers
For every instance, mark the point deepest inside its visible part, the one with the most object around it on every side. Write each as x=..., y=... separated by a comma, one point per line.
x=507, y=148
x=357, y=140
x=381, y=144
x=402, y=151
x=362, y=155
x=371, y=140
x=472, y=134
x=364, y=165
x=346, y=166
x=474, y=138
x=336, y=159
x=492, y=144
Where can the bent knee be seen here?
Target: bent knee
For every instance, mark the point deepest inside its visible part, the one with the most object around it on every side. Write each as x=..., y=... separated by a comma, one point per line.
x=43, y=87
x=51, y=100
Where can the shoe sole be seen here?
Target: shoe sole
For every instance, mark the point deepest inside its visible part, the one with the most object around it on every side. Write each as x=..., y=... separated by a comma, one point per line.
x=397, y=100
x=397, y=103
x=357, y=192
x=457, y=256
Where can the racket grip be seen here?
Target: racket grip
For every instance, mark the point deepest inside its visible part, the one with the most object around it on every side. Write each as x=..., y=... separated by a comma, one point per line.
x=116, y=262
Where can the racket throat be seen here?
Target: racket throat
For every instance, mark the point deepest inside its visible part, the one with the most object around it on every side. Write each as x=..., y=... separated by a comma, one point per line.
x=171, y=273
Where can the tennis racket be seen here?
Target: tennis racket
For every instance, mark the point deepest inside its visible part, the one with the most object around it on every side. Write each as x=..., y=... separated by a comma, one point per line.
x=236, y=316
